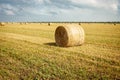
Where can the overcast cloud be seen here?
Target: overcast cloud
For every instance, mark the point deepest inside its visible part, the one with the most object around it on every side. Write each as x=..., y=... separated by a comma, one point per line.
x=59, y=10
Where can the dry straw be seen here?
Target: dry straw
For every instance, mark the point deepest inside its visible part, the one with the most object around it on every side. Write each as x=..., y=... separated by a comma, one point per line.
x=69, y=35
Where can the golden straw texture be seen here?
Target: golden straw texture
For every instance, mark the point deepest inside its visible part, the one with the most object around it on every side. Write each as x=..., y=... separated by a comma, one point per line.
x=69, y=35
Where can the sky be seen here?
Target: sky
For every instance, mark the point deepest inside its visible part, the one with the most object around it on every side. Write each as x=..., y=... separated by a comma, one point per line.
x=59, y=10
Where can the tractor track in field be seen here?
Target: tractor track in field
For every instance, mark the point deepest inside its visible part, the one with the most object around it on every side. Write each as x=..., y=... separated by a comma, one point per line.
x=37, y=40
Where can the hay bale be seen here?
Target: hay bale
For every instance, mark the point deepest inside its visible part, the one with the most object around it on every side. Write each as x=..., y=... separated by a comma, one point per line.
x=69, y=35
x=48, y=24
x=26, y=23
x=21, y=23
x=2, y=24
x=114, y=24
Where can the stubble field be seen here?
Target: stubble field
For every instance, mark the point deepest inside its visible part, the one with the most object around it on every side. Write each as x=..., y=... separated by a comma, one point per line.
x=28, y=52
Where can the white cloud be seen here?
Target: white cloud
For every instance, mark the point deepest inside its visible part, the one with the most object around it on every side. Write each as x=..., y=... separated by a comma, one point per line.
x=104, y=4
x=114, y=7
x=41, y=1
x=38, y=1
x=33, y=1
x=55, y=7
x=92, y=2
x=109, y=5
x=8, y=7
x=45, y=11
x=9, y=12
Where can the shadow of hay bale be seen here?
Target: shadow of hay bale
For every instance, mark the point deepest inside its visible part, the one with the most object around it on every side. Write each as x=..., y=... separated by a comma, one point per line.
x=50, y=44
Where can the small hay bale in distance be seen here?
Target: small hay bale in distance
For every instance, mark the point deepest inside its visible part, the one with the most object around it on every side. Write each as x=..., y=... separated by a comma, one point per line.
x=48, y=24
x=2, y=24
x=69, y=35
x=114, y=24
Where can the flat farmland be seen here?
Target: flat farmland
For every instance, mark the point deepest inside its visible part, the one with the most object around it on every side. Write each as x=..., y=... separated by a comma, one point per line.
x=28, y=52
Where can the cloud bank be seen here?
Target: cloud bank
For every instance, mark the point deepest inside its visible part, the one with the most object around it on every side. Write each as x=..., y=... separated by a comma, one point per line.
x=60, y=10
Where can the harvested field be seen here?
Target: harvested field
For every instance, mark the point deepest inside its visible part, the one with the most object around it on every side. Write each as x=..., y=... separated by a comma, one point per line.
x=28, y=51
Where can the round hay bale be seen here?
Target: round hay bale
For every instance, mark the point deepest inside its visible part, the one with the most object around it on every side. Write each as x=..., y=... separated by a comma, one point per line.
x=2, y=24
x=48, y=24
x=69, y=35
x=114, y=24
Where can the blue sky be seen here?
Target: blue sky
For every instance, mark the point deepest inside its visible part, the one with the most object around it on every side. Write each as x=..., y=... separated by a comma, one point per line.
x=59, y=10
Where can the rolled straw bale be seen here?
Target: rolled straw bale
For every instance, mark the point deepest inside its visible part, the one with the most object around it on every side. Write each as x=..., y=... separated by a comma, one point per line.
x=2, y=24
x=69, y=35
x=26, y=23
x=48, y=24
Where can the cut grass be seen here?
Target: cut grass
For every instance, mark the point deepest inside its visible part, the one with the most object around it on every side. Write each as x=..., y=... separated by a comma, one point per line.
x=22, y=57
